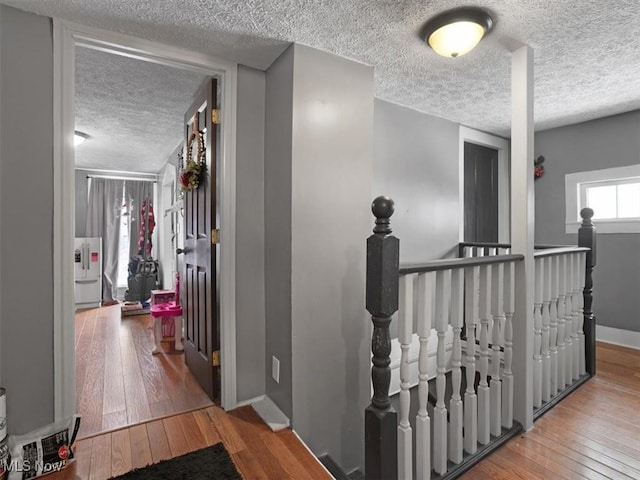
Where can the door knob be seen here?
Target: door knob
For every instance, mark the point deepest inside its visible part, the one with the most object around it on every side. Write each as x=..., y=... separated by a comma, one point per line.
x=180, y=250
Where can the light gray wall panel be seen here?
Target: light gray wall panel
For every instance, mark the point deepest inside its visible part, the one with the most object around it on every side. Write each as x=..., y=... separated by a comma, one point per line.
x=26, y=252
x=277, y=208
x=416, y=163
x=331, y=194
x=250, y=261
x=605, y=143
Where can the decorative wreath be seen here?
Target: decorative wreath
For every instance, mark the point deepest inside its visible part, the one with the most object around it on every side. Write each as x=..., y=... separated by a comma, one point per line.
x=193, y=168
x=538, y=168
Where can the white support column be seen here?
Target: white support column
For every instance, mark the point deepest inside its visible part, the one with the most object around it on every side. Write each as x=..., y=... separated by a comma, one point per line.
x=522, y=228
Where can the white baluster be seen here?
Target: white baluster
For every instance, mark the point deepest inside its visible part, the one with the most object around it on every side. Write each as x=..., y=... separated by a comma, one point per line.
x=471, y=277
x=455, y=405
x=537, y=334
x=507, y=374
x=484, y=412
x=562, y=365
x=405, y=332
x=443, y=297
x=426, y=293
x=553, y=325
x=581, y=279
x=568, y=321
x=575, y=302
x=546, y=328
x=497, y=310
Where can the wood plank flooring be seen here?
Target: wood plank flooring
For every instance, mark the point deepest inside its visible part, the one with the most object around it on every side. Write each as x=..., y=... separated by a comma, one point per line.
x=257, y=452
x=594, y=433
x=119, y=382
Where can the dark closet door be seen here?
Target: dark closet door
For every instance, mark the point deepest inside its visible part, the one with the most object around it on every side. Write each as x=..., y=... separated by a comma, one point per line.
x=480, y=193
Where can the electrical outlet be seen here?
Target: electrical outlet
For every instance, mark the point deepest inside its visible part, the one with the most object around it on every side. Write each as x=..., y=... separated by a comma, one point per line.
x=275, y=369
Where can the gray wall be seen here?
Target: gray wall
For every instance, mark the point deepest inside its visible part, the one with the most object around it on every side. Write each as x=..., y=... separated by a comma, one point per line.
x=26, y=252
x=415, y=162
x=330, y=220
x=277, y=211
x=605, y=143
x=250, y=260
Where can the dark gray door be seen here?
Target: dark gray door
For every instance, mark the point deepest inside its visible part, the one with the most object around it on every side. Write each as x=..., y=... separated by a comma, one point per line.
x=480, y=193
x=200, y=259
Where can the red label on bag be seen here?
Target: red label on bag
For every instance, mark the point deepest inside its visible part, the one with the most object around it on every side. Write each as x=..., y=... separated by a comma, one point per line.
x=94, y=256
x=63, y=452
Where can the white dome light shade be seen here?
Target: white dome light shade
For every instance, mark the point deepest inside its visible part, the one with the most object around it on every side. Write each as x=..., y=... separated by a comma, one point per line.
x=78, y=138
x=454, y=33
x=456, y=39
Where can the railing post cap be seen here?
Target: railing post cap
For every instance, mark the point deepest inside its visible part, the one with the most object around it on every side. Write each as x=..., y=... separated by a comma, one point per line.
x=586, y=213
x=382, y=207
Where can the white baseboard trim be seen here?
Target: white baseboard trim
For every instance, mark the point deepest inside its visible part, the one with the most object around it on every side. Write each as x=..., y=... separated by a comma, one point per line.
x=270, y=413
x=617, y=336
x=251, y=401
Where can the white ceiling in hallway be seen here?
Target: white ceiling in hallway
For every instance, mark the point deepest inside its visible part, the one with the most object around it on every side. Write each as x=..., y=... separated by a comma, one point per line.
x=587, y=61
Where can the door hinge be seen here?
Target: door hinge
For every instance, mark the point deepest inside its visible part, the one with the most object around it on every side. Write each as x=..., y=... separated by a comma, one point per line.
x=215, y=236
x=215, y=358
x=215, y=116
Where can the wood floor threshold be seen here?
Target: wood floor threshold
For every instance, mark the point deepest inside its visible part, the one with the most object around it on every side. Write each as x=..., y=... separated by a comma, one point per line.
x=148, y=420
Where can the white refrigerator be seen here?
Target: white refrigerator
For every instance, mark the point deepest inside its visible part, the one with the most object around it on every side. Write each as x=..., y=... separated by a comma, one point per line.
x=88, y=272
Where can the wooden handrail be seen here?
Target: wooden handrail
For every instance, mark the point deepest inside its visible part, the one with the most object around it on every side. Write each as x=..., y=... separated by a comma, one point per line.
x=549, y=252
x=454, y=263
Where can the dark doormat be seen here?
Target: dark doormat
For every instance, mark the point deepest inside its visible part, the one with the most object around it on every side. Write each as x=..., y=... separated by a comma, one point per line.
x=206, y=464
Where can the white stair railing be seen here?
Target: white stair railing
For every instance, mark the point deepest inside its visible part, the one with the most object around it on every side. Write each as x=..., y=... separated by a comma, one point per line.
x=474, y=296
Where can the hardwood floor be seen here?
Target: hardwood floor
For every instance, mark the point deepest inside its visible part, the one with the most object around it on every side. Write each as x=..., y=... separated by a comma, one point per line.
x=594, y=433
x=119, y=382
x=257, y=452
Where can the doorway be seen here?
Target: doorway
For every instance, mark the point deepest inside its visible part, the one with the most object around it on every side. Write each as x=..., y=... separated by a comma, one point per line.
x=123, y=376
x=66, y=38
x=483, y=187
x=480, y=193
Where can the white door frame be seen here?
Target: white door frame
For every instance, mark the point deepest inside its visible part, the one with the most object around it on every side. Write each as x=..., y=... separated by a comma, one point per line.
x=500, y=144
x=66, y=36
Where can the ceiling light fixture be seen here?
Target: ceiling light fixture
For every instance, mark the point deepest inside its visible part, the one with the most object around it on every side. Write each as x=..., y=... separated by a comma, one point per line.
x=456, y=32
x=79, y=137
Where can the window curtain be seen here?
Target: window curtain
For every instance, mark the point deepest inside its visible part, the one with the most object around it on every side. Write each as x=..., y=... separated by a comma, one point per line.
x=103, y=220
x=136, y=194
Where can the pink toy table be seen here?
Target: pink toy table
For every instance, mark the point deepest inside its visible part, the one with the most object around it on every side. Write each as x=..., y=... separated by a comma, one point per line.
x=165, y=310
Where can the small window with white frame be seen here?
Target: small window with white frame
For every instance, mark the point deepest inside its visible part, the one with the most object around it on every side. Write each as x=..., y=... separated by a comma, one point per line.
x=612, y=193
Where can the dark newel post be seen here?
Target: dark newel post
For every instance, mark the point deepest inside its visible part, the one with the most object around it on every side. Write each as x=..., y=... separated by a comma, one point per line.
x=587, y=238
x=380, y=419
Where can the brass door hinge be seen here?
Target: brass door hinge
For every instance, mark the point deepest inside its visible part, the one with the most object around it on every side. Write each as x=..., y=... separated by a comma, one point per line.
x=215, y=116
x=215, y=236
x=215, y=358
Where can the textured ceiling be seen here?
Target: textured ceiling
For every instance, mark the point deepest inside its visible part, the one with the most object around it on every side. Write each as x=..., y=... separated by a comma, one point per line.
x=132, y=111
x=586, y=51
